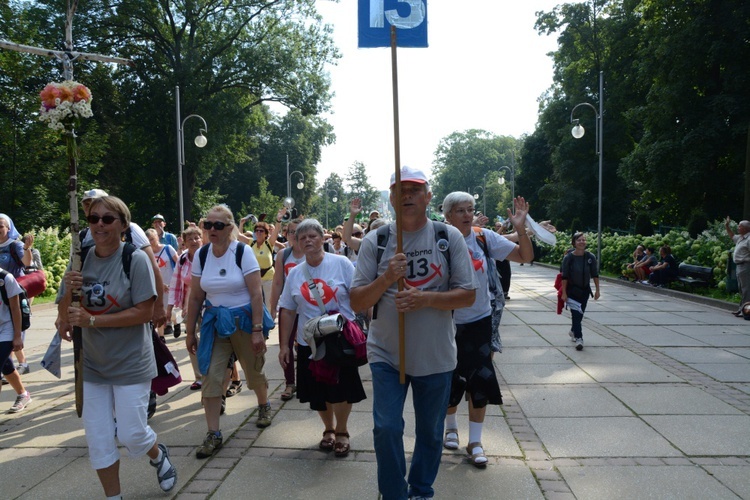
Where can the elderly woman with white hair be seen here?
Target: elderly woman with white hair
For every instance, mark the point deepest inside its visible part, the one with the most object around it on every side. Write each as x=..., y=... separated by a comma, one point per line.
x=475, y=373
x=332, y=275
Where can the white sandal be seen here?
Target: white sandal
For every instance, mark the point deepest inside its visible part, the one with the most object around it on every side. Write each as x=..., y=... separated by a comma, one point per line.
x=478, y=459
x=450, y=441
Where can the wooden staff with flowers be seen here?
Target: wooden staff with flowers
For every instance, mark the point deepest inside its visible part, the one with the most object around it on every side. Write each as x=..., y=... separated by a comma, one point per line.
x=63, y=106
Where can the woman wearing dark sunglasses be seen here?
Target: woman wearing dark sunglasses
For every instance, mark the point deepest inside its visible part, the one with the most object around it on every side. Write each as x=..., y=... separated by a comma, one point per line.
x=118, y=355
x=232, y=322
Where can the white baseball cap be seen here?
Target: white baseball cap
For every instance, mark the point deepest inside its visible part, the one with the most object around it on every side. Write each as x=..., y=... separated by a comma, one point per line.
x=93, y=194
x=409, y=174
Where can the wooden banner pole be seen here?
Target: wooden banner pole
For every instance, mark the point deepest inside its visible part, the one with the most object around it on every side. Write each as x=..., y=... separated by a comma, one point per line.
x=399, y=235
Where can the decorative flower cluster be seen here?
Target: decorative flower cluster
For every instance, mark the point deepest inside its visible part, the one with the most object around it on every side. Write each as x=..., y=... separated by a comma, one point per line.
x=64, y=103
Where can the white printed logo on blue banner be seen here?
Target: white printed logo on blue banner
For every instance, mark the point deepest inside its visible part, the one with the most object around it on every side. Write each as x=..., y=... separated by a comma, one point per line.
x=377, y=16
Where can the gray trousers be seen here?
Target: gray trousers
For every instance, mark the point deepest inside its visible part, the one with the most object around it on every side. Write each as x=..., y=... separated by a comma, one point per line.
x=743, y=279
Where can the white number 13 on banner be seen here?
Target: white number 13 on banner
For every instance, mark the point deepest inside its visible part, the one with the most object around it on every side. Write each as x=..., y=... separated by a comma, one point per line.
x=378, y=14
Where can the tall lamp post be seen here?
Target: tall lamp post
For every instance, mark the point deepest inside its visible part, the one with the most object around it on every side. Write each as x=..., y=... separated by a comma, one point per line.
x=334, y=199
x=512, y=171
x=578, y=132
x=484, y=198
x=289, y=201
x=200, y=141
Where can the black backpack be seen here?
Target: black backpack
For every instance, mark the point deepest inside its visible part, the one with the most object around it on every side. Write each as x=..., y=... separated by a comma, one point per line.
x=203, y=254
x=22, y=297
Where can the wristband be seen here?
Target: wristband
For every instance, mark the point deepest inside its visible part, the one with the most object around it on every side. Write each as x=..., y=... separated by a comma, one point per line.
x=258, y=326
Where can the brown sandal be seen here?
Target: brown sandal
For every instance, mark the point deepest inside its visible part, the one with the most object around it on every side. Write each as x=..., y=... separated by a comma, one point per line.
x=341, y=449
x=327, y=444
x=288, y=393
x=478, y=460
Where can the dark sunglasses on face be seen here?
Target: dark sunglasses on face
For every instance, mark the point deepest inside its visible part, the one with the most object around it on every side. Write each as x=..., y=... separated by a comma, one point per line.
x=107, y=219
x=218, y=225
x=260, y=230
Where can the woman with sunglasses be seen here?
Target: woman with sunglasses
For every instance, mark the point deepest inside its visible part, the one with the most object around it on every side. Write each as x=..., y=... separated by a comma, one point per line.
x=232, y=322
x=263, y=248
x=331, y=275
x=118, y=354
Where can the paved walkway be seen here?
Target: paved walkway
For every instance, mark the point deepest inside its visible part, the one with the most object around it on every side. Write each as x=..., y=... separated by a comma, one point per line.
x=657, y=405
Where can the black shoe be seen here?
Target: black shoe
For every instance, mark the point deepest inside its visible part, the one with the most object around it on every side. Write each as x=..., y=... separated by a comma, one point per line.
x=151, y=405
x=168, y=330
x=177, y=330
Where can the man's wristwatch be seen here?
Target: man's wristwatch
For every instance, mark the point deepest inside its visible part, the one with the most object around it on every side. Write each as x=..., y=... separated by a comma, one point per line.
x=92, y=320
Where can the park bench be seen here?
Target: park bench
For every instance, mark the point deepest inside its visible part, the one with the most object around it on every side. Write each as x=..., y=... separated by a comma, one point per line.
x=690, y=275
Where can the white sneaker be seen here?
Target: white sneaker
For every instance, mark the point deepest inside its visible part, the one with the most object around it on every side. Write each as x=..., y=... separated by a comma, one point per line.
x=572, y=336
x=579, y=344
x=22, y=401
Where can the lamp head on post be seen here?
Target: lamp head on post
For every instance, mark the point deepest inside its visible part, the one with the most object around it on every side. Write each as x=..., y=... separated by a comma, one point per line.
x=201, y=140
x=577, y=131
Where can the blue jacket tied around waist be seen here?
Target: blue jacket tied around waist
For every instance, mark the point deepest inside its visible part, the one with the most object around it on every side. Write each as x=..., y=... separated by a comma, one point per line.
x=224, y=322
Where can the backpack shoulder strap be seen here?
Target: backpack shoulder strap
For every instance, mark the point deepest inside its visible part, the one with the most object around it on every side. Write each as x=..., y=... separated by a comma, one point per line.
x=285, y=254
x=129, y=235
x=14, y=255
x=183, y=258
x=239, y=253
x=3, y=291
x=383, y=233
x=203, y=255
x=441, y=233
x=127, y=257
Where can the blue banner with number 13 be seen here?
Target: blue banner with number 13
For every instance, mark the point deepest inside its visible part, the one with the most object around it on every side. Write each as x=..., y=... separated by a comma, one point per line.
x=377, y=16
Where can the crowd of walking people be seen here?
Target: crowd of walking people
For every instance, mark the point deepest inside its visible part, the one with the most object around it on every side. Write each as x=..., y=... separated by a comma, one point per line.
x=330, y=292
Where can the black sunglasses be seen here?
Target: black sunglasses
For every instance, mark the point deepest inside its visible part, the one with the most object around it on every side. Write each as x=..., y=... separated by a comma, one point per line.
x=107, y=219
x=218, y=225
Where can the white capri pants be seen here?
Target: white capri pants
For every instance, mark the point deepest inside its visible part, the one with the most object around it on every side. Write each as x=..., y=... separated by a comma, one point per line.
x=102, y=404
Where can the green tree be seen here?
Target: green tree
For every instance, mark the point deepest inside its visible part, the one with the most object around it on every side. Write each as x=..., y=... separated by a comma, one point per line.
x=359, y=185
x=470, y=161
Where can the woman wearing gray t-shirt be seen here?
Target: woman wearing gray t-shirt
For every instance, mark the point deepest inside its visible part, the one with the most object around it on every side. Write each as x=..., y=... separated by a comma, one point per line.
x=117, y=350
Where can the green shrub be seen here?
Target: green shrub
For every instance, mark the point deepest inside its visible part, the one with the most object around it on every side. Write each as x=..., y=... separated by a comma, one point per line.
x=55, y=253
x=710, y=248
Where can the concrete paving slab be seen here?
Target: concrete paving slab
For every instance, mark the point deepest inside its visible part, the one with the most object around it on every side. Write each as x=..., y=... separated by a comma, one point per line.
x=561, y=338
x=528, y=340
x=626, y=483
x=705, y=435
x=533, y=355
x=698, y=331
x=671, y=400
x=568, y=402
x=725, y=372
x=744, y=352
x=703, y=355
x=617, y=318
x=619, y=372
x=726, y=339
x=538, y=317
x=601, y=437
x=735, y=478
x=552, y=373
x=509, y=480
x=659, y=337
x=743, y=387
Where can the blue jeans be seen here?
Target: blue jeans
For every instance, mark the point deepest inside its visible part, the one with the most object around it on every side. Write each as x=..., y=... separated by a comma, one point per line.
x=578, y=319
x=430, y=396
